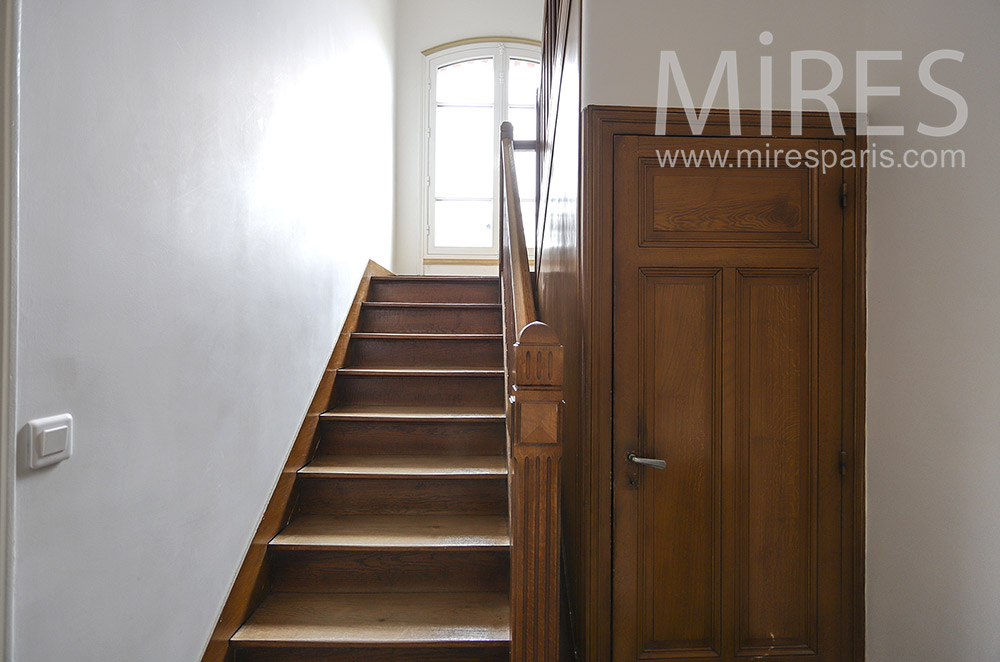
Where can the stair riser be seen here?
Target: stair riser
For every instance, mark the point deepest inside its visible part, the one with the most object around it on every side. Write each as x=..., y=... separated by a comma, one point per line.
x=388, y=570
x=399, y=438
x=499, y=653
x=402, y=496
x=419, y=390
x=428, y=290
x=427, y=353
x=429, y=320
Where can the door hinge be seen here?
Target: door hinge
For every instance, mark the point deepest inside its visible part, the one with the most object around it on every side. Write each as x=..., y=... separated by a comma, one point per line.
x=843, y=463
x=843, y=195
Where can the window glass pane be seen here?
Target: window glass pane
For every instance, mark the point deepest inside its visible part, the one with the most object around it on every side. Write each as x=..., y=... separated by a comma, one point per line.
x=463, y=224
x=468, y=83
x=463, y=152
x=523, y=120
x=522, y=82
x=524, y=162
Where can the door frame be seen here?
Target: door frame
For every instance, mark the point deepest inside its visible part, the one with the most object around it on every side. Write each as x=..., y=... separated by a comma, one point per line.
x=601, y=124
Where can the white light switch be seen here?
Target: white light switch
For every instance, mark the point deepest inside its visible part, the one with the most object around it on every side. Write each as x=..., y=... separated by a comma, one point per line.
x=51, y=440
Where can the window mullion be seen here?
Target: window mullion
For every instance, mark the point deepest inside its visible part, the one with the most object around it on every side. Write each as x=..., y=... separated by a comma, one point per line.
x=499, y=114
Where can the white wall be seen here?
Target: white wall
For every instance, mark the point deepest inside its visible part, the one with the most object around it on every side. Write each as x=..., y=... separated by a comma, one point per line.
x=423, y=24
x=933, y=240
x=934, y=353
x=622, y=43
x=201, y=186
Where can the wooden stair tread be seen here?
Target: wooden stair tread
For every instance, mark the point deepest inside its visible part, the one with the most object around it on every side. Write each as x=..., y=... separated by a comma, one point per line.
x=366, y=619
x=429, y=304
x=413, y=413
x=447, y=279
x=406, y=466
x=363, y=532
x=417, y=371
x=376, y=335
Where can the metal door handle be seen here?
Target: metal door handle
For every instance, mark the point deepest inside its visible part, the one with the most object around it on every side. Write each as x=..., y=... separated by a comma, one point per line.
x=647, y=461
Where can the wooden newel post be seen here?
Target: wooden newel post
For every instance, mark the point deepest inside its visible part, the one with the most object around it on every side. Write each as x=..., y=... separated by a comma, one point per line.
x=535, y=486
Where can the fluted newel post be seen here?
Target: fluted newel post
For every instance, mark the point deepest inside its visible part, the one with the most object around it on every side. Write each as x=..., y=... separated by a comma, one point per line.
x=536, y=406
x=534, y=377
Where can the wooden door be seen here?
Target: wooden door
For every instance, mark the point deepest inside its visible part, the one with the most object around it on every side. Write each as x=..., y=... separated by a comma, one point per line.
x=728, y=366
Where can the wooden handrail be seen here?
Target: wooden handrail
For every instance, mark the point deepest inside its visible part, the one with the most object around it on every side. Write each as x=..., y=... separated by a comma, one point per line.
x=513, y=244
x=533, y=359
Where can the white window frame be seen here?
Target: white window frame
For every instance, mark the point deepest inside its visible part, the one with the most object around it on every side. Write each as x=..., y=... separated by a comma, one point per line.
x=502, y=52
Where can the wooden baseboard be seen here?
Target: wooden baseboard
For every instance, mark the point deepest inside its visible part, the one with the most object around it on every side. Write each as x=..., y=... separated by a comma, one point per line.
x=251, y=580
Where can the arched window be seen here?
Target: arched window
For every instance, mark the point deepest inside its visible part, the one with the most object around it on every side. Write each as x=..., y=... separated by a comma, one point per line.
x=471, y=89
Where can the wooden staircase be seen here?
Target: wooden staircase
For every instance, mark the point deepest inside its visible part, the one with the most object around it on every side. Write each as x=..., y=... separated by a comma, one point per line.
x=417, y=517
x=397, y=541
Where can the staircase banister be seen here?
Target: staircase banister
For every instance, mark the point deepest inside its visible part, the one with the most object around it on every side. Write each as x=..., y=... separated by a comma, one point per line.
x=533, y=357
x=522, y=294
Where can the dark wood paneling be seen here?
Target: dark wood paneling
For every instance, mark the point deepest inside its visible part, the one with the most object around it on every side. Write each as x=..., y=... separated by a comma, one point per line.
x=456, y=437
x=679, y=509
x=784, y=574
x=396, y=317
x=558, y=278
x=406, y=571
x=581, y=276
x=428, y=389
x=399, y=496
x=738, y=204
x=430, y=289
x=387, y=349
x=778, y=446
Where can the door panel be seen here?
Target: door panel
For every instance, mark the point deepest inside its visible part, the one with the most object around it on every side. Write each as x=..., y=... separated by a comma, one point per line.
x=776, y=446
x=741, y=204
x=680, y=523
x=727, y=365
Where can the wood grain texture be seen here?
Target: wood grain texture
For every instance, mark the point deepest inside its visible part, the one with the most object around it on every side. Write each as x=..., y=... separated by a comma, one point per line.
x=780, y=588
x=414, y=413
x=557, y=266
x=712, y=205
x=434, y=350
x=679, y=508
x=309, y=619
x=430, y=317
x=534, y=364
x=435, y=289
x=587, y=242
x=394, y=531
x=415, y=434
x=443, y=388
x=408, y=466
x=395, y=539
x=420, y=371
x=778, y=446
x=250, y=583
x=441, y=569
x=322, y=495
x=380, y=654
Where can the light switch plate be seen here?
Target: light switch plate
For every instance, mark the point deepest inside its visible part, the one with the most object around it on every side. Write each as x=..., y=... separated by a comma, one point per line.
x=51, y=440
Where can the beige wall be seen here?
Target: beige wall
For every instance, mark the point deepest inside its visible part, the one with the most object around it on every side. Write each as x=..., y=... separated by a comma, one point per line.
x=934, y=312
x=422, y=24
